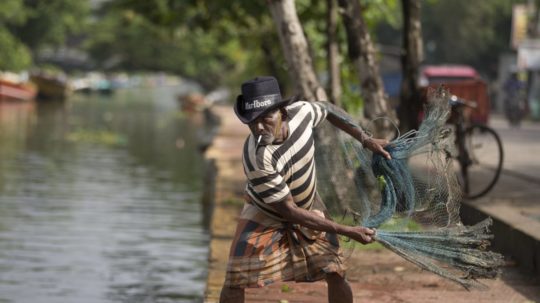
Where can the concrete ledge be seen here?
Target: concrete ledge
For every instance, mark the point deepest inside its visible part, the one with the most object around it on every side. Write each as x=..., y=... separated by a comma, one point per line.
x=516, y=236
x=226, y=200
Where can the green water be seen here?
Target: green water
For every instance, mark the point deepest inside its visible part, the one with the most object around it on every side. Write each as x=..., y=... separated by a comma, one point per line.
x=100, y=200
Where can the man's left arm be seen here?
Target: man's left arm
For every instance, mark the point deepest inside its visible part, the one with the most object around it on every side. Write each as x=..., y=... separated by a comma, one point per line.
x=343, y=121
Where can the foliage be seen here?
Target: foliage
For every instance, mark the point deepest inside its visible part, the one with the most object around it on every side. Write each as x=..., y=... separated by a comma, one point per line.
x=12, y=12
x=245, y=34
x=351, y=97
x=312, y=15
x=207, y=42
x=28, y=25
x=377, y=11
x=50, y=22
x=472, y=32
x=14, y=55
x=223, y=42
x=460, y=31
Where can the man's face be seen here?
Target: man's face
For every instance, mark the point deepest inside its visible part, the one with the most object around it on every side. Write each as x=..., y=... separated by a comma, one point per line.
x=268, y=126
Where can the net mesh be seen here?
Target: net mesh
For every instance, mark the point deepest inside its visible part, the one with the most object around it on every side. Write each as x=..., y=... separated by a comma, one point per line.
x=412, y=199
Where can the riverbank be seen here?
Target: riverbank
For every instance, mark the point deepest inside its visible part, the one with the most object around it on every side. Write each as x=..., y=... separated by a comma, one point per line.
x=376, y=275
x=228, y=180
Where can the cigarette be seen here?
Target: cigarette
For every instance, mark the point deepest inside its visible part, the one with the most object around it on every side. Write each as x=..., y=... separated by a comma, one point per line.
x=258, y=141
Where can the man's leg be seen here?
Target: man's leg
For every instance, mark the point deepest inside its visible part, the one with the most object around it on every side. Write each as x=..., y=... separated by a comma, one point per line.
x=231, y=295
x=339, y=290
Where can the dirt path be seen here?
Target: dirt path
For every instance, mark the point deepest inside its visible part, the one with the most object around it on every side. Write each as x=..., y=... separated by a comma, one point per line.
x=381, y=276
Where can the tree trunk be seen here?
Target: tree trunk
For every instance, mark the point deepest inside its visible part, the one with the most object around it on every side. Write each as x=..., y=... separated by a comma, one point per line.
x=272, y=63
x=296, y=51
x=411, y=57
x=362, y=54
x=295, y=48
x=333, y=53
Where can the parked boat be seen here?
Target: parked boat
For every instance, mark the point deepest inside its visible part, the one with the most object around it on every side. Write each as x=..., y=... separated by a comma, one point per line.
x=51, y=87
x=94, y=83
x=10, y=90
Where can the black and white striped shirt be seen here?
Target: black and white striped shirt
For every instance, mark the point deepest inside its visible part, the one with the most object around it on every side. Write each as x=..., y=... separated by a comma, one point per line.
x=274, y=171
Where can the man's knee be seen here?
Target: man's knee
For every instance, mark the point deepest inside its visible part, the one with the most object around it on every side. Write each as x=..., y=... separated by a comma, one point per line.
x=232, y=295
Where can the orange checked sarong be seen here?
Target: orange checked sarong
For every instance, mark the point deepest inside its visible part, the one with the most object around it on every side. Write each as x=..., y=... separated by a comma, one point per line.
x=266, y=250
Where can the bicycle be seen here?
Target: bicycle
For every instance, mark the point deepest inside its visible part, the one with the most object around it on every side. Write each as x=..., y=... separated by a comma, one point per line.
x=480, y=151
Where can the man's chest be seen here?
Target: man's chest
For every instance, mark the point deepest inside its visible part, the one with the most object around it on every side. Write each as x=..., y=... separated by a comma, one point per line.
x=295, y=153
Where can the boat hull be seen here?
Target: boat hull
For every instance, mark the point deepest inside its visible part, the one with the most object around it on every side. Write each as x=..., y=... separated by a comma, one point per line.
x=16, y=91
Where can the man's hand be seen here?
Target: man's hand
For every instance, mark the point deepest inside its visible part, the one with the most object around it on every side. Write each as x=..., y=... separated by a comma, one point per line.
x=361, y=234
x=377, y=146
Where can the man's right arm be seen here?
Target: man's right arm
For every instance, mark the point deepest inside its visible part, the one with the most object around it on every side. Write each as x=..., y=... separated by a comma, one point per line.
x=296, y=215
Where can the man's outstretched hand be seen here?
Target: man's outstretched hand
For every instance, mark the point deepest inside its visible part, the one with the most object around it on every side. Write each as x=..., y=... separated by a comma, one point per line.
x=377, y=146
x=361, y=234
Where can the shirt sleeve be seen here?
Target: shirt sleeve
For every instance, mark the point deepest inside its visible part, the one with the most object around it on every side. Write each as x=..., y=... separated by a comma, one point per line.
x=318, y=111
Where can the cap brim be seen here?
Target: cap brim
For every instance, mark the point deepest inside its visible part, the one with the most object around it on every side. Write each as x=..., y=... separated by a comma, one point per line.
x=247, y=118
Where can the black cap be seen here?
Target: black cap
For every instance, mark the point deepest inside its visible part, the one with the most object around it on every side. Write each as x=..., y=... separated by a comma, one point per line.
x=259, y=96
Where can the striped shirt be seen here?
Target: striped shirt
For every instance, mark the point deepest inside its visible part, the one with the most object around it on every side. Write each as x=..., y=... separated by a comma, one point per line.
x=275, y=171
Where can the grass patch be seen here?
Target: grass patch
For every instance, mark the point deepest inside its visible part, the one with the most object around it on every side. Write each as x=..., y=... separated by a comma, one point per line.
x=233, y=202
x=351, y=244
x=401, y=224
x=286, y=288
x=394, y=224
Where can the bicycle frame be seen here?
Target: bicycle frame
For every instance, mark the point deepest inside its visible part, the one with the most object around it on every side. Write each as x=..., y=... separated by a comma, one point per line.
x=463, y=154
x=467, y=158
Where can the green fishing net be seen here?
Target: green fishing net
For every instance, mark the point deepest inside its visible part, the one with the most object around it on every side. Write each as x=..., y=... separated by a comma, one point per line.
x=412, y=199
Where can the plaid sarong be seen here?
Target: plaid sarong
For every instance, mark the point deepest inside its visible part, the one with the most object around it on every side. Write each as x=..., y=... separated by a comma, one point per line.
x=265, y=251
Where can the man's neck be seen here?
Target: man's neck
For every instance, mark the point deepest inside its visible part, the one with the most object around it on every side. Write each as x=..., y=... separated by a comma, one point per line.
x=283, y=133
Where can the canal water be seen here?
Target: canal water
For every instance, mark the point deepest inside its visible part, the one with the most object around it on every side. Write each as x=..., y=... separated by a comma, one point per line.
x=100, y=200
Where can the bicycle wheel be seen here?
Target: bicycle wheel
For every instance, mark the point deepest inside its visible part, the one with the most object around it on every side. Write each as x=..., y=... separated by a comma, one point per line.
x=485, y=160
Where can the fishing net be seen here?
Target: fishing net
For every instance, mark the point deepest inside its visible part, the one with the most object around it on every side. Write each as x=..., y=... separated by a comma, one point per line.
x=412, y=199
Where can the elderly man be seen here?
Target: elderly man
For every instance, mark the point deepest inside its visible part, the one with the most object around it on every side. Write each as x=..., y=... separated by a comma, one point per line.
x=283, y=233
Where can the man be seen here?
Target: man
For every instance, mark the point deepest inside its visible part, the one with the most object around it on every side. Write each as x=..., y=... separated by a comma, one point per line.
x=515, y=105
x=282, y=232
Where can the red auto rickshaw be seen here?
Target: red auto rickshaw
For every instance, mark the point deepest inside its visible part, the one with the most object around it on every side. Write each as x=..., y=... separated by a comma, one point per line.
x=462, y=81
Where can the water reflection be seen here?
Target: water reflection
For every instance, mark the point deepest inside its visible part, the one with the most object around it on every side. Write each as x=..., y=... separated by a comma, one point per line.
x=99, y=202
